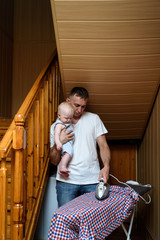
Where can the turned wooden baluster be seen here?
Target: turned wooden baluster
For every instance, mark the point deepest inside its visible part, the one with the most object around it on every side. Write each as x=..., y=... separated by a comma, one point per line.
x=30, y=162
x=56, y=88
x=41, y=153
x=53, y=94
x=3, y=199
x=50, y=98
x=19, y=139
x=46, y=122
x=36, y=146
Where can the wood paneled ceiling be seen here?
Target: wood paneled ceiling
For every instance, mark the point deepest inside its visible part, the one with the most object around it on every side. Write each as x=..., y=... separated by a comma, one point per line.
x=112, y=48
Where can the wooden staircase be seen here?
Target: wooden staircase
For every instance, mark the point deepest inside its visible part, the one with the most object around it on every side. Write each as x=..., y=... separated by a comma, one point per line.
x=24, y=156
x=4, y=124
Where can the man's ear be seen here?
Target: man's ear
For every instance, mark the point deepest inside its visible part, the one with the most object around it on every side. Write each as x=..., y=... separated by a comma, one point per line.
x=67, y=99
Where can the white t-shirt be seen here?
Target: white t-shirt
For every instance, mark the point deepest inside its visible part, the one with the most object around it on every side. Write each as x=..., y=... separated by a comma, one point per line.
x=84, y=165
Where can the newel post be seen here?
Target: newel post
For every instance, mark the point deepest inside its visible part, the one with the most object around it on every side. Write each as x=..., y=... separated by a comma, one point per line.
x=19, y=140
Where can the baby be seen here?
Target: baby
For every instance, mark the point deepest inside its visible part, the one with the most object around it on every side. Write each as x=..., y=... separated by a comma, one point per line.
x=65, y=115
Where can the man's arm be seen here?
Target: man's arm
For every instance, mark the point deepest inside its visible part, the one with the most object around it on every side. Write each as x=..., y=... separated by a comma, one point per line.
x=105, y=156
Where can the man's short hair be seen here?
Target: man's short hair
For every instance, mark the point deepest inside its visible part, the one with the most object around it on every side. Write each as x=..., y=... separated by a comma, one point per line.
x=80, y=92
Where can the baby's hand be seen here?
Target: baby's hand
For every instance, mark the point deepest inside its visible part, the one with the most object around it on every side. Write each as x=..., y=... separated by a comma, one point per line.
x=59, y=146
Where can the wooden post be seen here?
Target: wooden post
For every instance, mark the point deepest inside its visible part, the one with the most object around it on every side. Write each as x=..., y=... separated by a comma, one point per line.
x=18, y=146
x=30, y=162
x=56, y=87
x=53, y=93
x=50, y=98
x=36, y=146
x=3, y=200
x=41, y=127
x=46, y=124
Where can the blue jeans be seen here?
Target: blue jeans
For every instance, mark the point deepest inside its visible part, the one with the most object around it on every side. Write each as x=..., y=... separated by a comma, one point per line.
x=67, y=191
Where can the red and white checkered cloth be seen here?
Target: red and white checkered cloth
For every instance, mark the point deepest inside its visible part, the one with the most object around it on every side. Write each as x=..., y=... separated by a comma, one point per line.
x=86, y=218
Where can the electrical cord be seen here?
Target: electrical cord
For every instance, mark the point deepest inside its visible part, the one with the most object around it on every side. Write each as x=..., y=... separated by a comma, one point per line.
x=148, y=185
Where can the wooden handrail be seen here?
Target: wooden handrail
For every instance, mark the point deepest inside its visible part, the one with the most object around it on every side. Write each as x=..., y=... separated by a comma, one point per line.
x=24, y=109
x=24, y=156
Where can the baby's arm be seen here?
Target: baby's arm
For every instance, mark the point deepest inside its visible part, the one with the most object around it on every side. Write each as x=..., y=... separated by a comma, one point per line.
x=57, y=131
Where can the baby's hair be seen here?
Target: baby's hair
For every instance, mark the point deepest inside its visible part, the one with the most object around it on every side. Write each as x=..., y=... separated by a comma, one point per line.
x=65, y=107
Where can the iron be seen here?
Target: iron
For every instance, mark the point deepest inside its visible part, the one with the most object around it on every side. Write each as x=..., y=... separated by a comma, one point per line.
x=102, y=191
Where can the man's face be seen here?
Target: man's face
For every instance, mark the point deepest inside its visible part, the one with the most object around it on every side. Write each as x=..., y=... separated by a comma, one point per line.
x=79, y=105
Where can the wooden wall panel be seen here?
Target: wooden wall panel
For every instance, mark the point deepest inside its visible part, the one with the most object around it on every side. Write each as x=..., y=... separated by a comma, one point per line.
x=108, y=30
x=34, y=43
x=6, y=49
x=111, y=62
x=123, y=162
x=121, y=88
x=107, y=47
x=126, y=75
x=148, y=166
x=121, y=99
x=123, y=124
x=111, y=108
x=119, y=117
x=124, y=129
x=125, y=134
x=106, y=10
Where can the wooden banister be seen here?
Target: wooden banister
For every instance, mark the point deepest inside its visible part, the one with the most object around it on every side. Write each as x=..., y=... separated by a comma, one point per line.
x=24, y=156
x=25, y=107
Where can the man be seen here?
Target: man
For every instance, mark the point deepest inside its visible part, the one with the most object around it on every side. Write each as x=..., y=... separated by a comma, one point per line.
x=84, y=170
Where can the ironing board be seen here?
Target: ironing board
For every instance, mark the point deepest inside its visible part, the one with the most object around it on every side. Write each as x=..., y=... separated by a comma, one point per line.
x=141, y=190
x=86, y=218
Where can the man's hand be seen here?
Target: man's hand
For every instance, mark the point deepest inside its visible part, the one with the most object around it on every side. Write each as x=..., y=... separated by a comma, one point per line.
x=104, y=173
x=66, y=136
x=55, y=155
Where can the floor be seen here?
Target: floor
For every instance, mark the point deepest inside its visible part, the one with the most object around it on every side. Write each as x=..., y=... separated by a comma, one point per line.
x=119, y=234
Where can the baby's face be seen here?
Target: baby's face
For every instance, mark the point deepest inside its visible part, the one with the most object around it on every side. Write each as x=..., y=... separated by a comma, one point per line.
x=65, y=117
